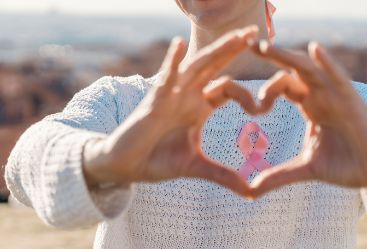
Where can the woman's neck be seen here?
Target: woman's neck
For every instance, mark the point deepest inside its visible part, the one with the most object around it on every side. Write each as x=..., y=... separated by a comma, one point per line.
x=246, y=66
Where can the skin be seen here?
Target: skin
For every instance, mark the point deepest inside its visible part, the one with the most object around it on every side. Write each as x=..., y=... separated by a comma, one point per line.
x=214, y=18
x=335, y=145
x=170, y=126
x=169, y=144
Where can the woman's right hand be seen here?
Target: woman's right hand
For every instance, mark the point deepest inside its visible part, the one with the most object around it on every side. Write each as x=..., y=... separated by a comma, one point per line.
x=161, y=138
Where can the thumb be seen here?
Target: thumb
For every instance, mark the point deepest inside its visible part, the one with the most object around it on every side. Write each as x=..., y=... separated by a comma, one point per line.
x=290, y=172
x=211, y=170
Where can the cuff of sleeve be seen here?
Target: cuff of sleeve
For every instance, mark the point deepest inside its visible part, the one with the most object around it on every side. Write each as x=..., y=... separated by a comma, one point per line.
x=363, y=192
x=67, y=201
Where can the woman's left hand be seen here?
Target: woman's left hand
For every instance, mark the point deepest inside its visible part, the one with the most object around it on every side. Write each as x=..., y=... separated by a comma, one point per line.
x=335, y=145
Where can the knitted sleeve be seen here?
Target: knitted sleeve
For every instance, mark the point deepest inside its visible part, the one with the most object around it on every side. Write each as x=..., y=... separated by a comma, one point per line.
x=362, y=90
x=44, y=170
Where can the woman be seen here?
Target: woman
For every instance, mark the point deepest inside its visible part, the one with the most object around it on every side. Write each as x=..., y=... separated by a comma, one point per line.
x=133, y=154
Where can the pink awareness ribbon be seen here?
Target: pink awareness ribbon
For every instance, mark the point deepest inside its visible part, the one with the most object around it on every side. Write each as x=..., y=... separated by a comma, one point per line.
x=270, y=10
x=254, y=153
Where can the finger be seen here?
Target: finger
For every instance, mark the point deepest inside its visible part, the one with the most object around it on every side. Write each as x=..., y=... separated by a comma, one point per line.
x=290, y=172
x=295, y=60
x=208, y=169
x=311, y=130
x=271, y=90
x=213, y=58
x=282, y=83
x=174, y=56
x=322, y=58
x=224, y=89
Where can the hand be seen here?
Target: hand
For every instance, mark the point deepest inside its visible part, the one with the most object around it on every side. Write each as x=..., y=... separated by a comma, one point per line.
x=335, y=145
x=161, y=139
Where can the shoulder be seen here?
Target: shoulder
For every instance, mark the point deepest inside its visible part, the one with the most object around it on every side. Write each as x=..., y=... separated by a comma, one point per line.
x=361, y=88
x=134, y=84
x=110, y=93
x=115, y=87
x=124, y=93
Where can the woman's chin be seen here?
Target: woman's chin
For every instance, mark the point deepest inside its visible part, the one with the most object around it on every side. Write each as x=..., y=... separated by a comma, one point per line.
x=214, y=14
x=211, y=22
x=211, y=19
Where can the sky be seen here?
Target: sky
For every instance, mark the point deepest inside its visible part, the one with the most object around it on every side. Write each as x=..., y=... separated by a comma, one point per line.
x=355, y=9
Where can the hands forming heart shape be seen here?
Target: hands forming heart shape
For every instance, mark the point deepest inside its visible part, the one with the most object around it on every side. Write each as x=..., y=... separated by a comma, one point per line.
x=161, y=139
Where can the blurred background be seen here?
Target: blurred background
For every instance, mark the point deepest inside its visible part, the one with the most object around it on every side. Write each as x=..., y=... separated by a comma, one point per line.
x=50, y=49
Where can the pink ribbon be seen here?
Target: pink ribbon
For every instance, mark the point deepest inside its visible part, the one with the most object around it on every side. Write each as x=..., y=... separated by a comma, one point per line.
x=254, y=153
x=270, y=10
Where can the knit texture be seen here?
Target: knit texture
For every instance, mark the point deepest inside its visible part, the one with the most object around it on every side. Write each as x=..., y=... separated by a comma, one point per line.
x=44, y=171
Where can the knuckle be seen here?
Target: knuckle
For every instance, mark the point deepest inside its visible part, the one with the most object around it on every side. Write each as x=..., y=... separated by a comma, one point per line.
x=226, y=82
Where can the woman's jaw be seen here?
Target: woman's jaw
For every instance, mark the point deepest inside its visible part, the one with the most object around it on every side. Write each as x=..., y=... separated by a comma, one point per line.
x=210, y=19
x=221, y=16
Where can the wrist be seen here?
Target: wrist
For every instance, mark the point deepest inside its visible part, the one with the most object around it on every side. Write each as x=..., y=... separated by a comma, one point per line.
x=94, y=161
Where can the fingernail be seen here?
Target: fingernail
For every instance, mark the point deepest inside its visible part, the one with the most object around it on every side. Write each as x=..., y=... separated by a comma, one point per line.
x=322, y=50
x=176, y=40
x=312, y=46
x=263, y=46
x=261, y=94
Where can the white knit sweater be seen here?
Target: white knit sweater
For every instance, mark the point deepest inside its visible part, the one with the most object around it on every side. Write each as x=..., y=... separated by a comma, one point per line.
x=44, y=172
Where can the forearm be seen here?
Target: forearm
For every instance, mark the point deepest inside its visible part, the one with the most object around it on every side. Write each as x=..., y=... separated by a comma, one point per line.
x=132, y=141
x=45, y=169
